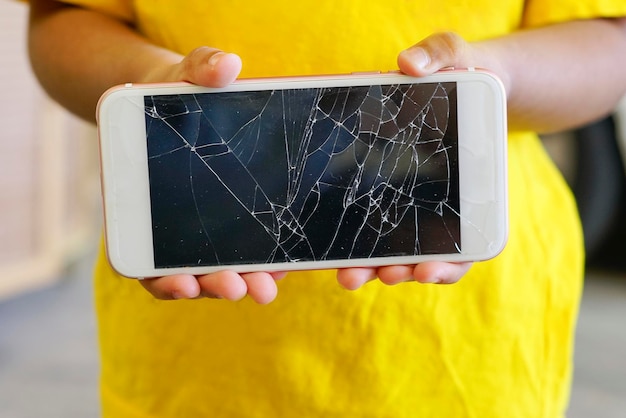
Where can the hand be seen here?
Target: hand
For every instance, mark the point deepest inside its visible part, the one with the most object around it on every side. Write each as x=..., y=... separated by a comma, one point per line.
x=448, y=49
x=438, y=51
x=260, y=286
x=124, y=55
x=204, y=66
x=209, y=67
x=428, y=272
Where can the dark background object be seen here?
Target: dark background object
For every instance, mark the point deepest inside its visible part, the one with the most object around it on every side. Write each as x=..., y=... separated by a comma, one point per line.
x=599, y=184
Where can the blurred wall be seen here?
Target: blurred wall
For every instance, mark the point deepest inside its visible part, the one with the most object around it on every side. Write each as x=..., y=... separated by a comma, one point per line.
x=49, y=205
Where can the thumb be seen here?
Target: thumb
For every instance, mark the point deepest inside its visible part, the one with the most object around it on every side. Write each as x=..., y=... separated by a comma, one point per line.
x=440, y=50
x=210, y=67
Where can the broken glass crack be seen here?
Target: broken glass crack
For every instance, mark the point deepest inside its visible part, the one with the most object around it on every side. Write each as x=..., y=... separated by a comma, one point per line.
x=308, y=174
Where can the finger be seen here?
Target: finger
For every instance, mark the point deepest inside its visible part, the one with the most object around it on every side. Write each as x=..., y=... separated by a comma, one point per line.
x=279, y=275
x=438, y=51
x=440, y=272
x=395, y=274
x=223, y=284
x=261, y=287
x=180, y=286
x=354, y=278
x=210, y=67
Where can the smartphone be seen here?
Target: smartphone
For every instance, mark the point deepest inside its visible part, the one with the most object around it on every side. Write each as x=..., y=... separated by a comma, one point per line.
x=303, y=173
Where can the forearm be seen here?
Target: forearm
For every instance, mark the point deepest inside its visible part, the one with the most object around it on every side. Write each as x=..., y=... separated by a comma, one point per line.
x=563, y=75
x=77, y=54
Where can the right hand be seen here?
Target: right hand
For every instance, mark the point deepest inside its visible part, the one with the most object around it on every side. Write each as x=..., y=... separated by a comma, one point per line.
x=204, y=66
x=208, y=67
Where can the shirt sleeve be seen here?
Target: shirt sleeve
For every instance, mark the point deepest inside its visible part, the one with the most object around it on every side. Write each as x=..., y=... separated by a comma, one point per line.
x=545, y=12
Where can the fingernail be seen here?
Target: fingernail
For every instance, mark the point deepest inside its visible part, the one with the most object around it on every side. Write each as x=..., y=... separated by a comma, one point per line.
x=178, y=296
x=183, y=292
x=419, y=57
x=434, y=278
x=215, y=58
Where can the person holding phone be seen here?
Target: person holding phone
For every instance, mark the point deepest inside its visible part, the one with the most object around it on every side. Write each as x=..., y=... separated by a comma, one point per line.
x=497, y=343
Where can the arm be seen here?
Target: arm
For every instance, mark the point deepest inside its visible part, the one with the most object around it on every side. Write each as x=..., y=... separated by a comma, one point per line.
x=77, y=54
x=557, y=77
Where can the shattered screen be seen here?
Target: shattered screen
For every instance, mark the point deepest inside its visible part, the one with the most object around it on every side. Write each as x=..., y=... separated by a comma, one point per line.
x=303, y=175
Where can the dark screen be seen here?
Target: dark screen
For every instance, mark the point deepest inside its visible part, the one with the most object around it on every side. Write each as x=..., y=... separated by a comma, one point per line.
x=303, y=175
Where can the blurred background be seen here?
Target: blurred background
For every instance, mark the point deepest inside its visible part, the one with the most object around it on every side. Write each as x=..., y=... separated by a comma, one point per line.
x=50, y=223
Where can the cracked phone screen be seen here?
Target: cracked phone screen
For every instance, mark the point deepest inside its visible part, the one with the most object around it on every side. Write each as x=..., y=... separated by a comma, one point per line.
x=308, y=174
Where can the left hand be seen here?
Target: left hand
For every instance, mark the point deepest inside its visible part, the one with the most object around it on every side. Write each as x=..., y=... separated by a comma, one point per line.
x=437, y=272
x=438, y=51
x=448, y=49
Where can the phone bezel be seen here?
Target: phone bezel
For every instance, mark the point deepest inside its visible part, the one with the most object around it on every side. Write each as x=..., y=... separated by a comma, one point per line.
x=482, y=169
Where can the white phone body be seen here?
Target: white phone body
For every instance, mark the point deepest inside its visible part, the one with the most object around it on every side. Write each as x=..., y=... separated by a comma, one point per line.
x=325, y=172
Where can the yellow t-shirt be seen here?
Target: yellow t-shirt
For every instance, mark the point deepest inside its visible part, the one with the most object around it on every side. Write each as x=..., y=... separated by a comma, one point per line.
x=496, y=344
